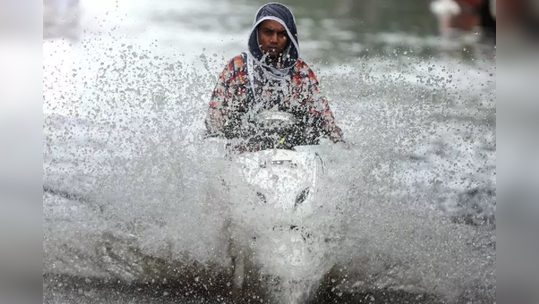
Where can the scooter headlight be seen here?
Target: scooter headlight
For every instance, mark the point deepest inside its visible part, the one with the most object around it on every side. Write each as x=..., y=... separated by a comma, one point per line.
x=302, y=196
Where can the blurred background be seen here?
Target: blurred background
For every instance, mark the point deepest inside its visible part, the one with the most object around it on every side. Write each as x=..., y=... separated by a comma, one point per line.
x=330, y=30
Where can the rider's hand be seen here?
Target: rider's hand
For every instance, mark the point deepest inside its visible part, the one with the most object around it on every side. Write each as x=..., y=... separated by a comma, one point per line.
x=216, y=123
x=336, y=135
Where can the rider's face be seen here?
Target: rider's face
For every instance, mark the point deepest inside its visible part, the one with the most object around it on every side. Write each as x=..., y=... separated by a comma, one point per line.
x=272, y=37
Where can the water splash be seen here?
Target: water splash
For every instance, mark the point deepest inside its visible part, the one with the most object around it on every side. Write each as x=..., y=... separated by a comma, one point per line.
x=147, y=202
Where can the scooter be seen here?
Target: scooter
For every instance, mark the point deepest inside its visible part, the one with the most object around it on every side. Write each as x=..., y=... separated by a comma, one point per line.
x=275, y=219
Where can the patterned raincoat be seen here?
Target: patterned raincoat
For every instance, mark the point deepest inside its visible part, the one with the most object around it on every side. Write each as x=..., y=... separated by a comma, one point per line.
x=248, y=86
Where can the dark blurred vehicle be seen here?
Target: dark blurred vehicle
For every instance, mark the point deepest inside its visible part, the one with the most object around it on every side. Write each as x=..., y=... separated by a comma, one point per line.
x=466, y=16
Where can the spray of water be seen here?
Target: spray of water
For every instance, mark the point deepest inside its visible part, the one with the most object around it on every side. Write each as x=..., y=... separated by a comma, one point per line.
x=133, y=192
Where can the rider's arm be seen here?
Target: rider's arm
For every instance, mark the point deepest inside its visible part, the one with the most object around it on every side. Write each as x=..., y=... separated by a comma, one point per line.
x=320, y=108
x=220, y=99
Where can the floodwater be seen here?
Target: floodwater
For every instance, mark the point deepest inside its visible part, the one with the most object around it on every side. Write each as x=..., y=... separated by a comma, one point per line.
x=126, y=174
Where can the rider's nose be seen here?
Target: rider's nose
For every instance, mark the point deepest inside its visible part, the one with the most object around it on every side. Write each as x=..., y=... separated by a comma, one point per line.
x=273, y=38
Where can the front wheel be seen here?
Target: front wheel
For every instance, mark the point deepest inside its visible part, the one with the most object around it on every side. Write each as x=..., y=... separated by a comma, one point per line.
x=291, y=291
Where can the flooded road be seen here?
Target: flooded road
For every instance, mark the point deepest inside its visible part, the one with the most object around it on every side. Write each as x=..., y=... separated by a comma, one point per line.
x=126, y=172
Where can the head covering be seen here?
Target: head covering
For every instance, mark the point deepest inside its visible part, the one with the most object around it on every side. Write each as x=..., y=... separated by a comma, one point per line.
x=282, y=14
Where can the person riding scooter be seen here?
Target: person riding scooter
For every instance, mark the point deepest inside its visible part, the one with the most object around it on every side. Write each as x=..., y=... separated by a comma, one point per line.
x=270, y=75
